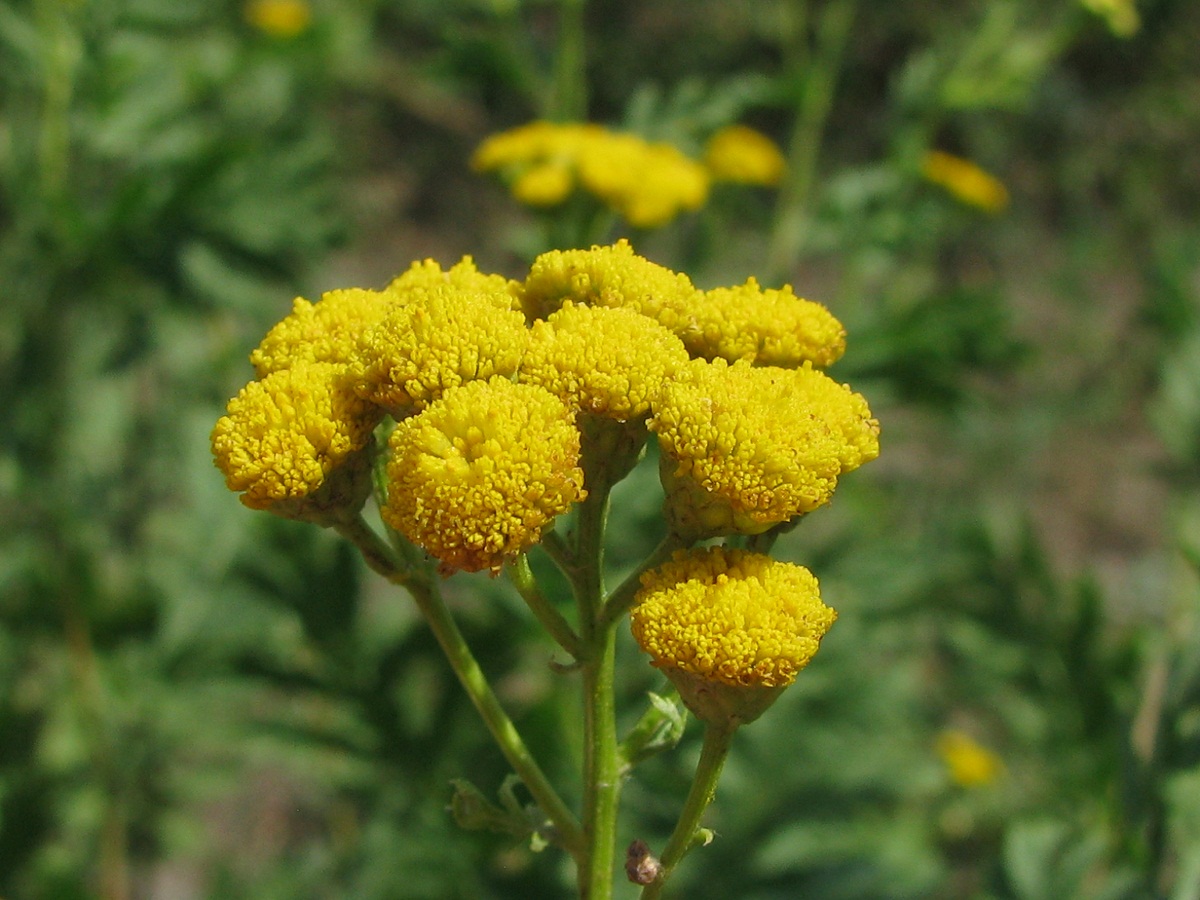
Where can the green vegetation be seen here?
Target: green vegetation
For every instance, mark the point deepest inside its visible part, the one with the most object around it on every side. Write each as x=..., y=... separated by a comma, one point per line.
x=201, y=701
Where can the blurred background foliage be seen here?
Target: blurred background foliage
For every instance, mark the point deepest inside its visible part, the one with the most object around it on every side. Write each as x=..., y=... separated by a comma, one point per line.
x=196, y=701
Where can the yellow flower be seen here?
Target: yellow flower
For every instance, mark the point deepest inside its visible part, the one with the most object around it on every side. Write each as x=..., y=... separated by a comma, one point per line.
x=478, y=475
x=545, y=184
x=1121, y=16
x=730, y=628
x=427, y=274
x=534, y=142
x=279, y=18
x=442, y=336
x=284, y=436
x=966, y=181
x=765, y=327
x=969, y=763
x=746, y=448
x=744, y=156
x=608, y=276
x=647, y=183
x=327, y=331
x=607, y=362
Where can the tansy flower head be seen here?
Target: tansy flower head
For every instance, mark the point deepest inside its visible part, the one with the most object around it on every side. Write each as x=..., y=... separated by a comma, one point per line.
x=649, y=184
x=968, y=762
x=744, y=156
x=607, y=362
x=607, y=276
x=326, y=331
x=746, y=448
x=716, y=618
x=965, y=181
x=428, y=275
x=765, y=327
x=443, y=336
x=480, y=473
x=283, y=437
x=279, y=18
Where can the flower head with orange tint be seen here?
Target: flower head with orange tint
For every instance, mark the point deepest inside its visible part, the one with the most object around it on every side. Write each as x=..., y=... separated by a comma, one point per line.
x=965, y=181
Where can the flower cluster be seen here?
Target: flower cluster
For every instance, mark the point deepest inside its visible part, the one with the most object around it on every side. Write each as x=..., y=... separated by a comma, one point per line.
x=499, y=396
x=648, y=183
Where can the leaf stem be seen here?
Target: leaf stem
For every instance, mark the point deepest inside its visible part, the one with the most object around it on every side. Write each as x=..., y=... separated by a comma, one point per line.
x=713, y=752
x=521, y=575
x=382, y=559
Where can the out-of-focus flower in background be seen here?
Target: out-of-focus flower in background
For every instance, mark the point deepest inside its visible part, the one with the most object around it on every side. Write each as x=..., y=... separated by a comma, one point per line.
x=968, y=763
x=279, y=18
x=742, y=155
x=966, y=181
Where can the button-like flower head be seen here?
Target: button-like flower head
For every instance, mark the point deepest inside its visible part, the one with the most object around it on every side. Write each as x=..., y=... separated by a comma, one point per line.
x=283, y=438
x=480, y=473
x=745, y=448
x=608, y=276
x=427, y=275
x=647, y=183
x=326, y=331
x=443, y=336
x=729, y=627
x=607, y=362
x=765, y=327
x=744, y=156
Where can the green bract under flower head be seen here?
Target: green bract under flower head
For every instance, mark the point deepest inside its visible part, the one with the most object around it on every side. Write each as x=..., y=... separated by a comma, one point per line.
x=478, y=475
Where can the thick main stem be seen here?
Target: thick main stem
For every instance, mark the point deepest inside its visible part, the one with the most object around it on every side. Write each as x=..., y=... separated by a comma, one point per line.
x=601, y=775
x=717, y=739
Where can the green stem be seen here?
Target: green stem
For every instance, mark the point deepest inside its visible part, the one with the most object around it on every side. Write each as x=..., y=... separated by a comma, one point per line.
x=382, y=559
x=621, y=599
x=715, y=749
x=568, y=101
x=602, y=760
x=819, y=79
x=521, y=575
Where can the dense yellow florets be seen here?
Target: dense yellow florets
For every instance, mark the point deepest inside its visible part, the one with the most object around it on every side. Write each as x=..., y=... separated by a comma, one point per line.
x=282, y=436
x=731, y=616
x=327, y=331
x=746, y=448
x=479, y=474
x=444, y=336
x=765, y=327
x=744, y=156
x=428, y=275
x=607, y=362
x=966, y=181
x=608, y=276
